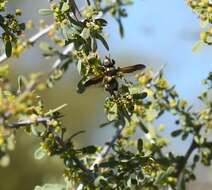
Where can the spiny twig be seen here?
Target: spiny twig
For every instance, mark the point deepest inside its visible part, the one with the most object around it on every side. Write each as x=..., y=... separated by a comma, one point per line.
x=45, y=121
x=31, y=40
x=24, y=123
x=65, y=52
x=104, y=151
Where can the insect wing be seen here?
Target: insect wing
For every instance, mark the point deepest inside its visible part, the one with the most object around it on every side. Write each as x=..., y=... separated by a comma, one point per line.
x=132, y=68
x=93, y=81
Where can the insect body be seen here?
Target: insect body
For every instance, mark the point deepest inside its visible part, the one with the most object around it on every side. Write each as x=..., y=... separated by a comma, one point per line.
x=110, y=73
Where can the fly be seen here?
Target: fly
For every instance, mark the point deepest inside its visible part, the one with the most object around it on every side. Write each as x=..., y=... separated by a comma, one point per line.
x=110, y=73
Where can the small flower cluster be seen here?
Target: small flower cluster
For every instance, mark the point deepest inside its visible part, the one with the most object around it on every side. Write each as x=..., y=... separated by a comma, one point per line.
x=82, y=30
x=3, y=4
x=12, y=28
x=203, y=8
x=21, y=108
x=141, y=105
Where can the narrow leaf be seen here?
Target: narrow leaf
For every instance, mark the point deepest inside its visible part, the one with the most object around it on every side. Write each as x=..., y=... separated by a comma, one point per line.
x=176, y=133
x=104, y=42
x=39, y=153
x=8, y=48
x=45, y=12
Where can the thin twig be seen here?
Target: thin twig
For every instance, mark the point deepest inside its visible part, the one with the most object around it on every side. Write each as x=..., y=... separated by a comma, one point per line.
x=161, y=68
x=65, y=52
x=24, y=123
x=179, y=174
x=45, y=121
x=31, y=40
x=37, y=36
x=182, y=165
x=156, y=75
x=104, y=151
x=107, y=148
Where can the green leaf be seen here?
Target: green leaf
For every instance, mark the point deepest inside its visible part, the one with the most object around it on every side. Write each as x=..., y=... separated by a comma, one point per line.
x=1, y=19
x=102, y=22
x=85, y=33
x=196, y=158
x=39, y=153
x=185, y=136
x=140, y=145
x=94, y=44
x=196, y=48
x=135, y=89
x=121, y=28
x=109, y=164
x=163, y=175
x=77, y=23
x=80, y=87
x=34, y=130
x=20, y=83
x=44, y=46
x=65, y=33
x=203, y=23
x=140, y=96
x=45, y=12
x=22, y=26
x=113, y=112
x=4, y=161
x=176, y=133
x=143, y=127
x=88, y=1
x=199, y=140
x=8, y=48
x=104, y=42
x=123, y=111
x=100, y=180
x=79, y=66
x=89, y=150
x=65, y=7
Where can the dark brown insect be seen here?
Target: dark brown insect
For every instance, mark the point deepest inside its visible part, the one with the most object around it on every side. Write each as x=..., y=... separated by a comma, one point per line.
x=110, y=73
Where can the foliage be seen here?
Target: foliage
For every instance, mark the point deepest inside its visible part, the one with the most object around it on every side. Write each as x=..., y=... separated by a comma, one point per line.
x=125, y=162
x=203, y=8
x=12, y=28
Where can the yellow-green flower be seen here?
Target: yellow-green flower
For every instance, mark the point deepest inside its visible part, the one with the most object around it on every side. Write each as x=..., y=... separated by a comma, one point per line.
x=151, y=115
x=162, y=83
x=145, y=78
x=2, y=5
x=183, y=104
x=173, y=104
